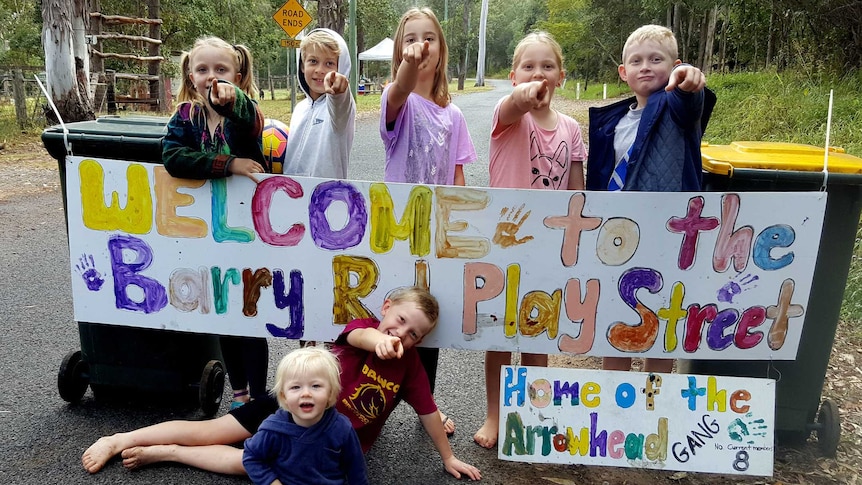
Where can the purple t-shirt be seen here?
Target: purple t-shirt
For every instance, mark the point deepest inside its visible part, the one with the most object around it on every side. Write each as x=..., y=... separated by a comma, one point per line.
x=426, y=143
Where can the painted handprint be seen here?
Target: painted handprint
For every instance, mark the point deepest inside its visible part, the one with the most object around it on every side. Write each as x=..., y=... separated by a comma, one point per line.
x=510, y=223
x=86, y=267
x=739, y=430
x=734, y=287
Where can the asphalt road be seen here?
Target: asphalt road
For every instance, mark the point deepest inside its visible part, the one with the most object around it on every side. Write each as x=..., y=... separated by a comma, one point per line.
x=42, y=437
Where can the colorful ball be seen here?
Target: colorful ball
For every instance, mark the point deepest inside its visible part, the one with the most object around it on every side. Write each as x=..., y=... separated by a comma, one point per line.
x=274, y=138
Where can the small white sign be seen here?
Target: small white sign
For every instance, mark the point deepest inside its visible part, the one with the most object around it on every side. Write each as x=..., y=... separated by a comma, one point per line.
x=638, y=420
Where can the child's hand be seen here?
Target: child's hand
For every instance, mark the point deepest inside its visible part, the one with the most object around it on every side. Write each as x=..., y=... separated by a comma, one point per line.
x=335, y=83
x=245, y=166
x=416, y=54
x=222, y=94
x=389, y=347
x=456, y=467
x=687, y=78
x=532, y=95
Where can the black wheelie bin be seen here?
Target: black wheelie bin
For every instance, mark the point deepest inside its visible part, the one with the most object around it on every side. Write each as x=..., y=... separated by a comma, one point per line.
x=181, y=367
x=748, y=166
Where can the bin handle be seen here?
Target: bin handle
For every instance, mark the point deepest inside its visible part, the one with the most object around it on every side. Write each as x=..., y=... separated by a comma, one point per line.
x=56, y=112
x=826, y=148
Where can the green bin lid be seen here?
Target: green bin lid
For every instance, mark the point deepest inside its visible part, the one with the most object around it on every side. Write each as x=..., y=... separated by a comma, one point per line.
x=128, y=138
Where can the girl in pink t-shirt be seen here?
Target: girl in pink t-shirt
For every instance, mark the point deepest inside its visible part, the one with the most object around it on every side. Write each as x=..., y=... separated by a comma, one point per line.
x=532, y=147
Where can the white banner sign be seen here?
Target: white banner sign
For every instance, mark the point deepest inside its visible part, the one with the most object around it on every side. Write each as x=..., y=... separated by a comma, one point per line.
x=670, y=275
x=638, y=420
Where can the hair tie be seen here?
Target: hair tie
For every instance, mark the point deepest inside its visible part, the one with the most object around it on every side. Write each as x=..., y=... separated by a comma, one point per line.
x=241, y=57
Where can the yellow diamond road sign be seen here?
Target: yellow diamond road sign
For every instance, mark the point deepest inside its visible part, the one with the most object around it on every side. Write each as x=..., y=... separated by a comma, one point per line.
x=292, y=17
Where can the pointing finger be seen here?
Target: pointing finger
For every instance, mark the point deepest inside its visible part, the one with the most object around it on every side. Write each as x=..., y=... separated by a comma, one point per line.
x=674, y=79
x=543, y=89
x=328, y=80
x=214, y=91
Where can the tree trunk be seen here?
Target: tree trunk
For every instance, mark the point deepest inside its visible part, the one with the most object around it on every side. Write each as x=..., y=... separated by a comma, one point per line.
x=269, y=79
x=331, y=15
x=110, y=91
x=675, y=24
x=462, y=71
x=701, y=46
x=80, y=26
x=722, y=50
x=710, y=40
x=20, y=98
x=770, y=42
x=688, y=32
x=97, y=64
x=63, y=70
x=668, y=22
x=480, y=63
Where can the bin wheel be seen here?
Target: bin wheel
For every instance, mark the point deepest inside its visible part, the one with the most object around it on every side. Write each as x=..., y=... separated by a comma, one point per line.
x=73, y=378
x=829, y=429
x=212, y=387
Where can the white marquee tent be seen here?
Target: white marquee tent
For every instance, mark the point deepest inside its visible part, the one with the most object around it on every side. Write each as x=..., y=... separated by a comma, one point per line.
x=381, y=52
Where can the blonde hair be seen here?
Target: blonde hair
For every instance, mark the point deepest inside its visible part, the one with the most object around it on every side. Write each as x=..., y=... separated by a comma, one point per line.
x=659, y=34
x=303, y=362
x=538, y=37
x=321, y=40
x=242, y=62
x=421, y=297
x=440, y=87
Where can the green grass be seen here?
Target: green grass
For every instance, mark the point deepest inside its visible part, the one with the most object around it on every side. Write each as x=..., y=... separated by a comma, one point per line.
x=9, y=129
x=769, y=106
x=851, y=309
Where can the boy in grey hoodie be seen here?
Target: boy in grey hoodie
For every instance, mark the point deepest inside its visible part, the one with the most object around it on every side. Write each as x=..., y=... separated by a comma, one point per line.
x=322, y=125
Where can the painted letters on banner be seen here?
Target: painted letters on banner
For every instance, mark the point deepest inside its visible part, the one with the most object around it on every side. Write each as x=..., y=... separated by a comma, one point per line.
x=674, y=275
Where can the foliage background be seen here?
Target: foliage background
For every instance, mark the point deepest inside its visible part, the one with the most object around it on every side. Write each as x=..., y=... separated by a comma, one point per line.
x=809, y=36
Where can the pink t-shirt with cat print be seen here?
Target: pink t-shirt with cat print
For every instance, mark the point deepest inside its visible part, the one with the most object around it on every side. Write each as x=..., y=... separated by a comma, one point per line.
x=527, y=156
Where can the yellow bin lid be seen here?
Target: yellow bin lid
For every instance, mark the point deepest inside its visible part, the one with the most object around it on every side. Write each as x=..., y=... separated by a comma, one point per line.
x=722, y=159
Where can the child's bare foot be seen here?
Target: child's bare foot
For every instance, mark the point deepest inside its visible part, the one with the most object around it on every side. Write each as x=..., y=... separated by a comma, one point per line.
x=486, y=437
x=139, y=456
x=448, y=424
x=100, y=452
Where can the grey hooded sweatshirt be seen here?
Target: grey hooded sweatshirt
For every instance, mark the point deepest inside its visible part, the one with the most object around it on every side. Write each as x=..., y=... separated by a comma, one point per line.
x=321, y=130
